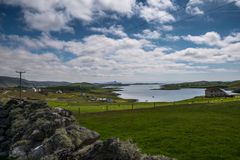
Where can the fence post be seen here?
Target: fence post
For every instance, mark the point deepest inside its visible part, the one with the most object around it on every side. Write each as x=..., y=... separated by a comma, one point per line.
x=106, y=107
x=154, y=105
x=132, y=107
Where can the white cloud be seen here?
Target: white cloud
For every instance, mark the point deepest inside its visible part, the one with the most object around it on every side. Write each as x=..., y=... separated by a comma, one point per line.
x=210, y=38
x=196, y=7
x=55, y=15
x=148, y=34
x=165, y=28
x=213, y=39
x=96, y=56
x=113, y=30
x=225, y=54
x=103, y=57
x=161, y=4
x=157, y=11
x=170, y=37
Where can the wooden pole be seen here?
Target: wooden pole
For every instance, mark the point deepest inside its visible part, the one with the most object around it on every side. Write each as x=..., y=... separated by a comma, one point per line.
x=20, y=83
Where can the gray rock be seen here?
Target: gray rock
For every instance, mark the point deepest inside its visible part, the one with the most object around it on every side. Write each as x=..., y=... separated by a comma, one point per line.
x=112, y=149
x=19, y=153
x=36, y=153
x=37, y=135
x=88, y=136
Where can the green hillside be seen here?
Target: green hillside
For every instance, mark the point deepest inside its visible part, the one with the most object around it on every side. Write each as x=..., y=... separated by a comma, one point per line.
x=234, y=85
x=6, y=82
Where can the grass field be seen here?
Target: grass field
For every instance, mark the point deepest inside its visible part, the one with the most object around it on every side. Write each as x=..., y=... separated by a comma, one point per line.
x=198, y=128
x=85, y=107
x=73, y=101
x=186, y=132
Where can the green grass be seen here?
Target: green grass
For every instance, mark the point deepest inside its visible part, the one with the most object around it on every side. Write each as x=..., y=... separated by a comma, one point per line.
x=186, y=132
x=73, y=101
x=86, y=107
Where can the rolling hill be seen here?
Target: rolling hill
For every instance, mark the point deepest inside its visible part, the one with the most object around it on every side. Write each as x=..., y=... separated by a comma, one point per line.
x=14, y=82
x=234, y=85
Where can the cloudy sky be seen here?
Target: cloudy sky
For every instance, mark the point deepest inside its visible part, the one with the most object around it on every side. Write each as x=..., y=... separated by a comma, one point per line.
x=123, y=40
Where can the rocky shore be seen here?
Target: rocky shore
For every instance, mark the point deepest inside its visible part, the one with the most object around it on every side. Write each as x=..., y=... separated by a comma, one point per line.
x=35, y=131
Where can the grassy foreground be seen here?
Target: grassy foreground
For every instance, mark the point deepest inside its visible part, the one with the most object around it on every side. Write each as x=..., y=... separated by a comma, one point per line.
x=186, y=132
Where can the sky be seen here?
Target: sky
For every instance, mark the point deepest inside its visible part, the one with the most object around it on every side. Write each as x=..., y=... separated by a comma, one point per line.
x=125, y=41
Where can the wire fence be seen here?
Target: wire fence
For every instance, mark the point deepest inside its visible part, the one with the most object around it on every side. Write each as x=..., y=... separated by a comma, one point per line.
x=81, y=109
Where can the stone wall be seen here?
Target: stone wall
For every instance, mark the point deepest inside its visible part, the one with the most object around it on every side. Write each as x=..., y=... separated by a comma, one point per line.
x=36, y=131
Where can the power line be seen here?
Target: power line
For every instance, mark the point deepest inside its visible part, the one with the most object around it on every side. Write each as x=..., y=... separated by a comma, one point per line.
x=20, y=83
x=206, y=12
x=130, y=28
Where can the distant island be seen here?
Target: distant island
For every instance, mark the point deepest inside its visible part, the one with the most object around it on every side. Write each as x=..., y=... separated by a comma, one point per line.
x=233, y=85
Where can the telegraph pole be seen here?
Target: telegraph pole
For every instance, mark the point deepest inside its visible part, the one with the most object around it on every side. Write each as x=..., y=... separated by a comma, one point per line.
x=20, y=83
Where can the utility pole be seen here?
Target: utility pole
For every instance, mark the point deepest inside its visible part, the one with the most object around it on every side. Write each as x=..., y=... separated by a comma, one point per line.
x=20, y=83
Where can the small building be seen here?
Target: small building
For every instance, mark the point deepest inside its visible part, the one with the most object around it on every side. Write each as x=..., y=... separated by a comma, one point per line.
x=36, y=89
x=215, y=92
x=59, y=91
x=109, y=100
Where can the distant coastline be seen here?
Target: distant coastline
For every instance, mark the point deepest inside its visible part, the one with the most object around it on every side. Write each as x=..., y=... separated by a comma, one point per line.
x=233, y=85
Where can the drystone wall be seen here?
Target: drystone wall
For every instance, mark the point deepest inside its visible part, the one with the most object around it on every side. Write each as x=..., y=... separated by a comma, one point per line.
x=35, y=131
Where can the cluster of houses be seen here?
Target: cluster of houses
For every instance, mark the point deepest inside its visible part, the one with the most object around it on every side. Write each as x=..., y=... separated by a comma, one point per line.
x=95, y=99
x=35, y=90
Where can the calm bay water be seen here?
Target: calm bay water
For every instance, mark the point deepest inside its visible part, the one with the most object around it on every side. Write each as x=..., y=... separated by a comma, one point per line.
x=144, y=93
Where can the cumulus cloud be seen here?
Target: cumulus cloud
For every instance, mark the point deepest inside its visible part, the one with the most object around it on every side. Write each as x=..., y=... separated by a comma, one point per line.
x=148, y=34
x=210, y=38
x=226, y=54
x=113, y=30
x=169, y=37
x=213, y=39
x=95, y=56
x=55, y=15
x=157, y=11
x=196, y=7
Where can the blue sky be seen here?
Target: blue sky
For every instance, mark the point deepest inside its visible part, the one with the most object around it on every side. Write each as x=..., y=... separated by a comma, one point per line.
x=127, y=40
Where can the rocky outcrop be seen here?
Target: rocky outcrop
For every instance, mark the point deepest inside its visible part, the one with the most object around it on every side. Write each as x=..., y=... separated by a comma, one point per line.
x=35, y=131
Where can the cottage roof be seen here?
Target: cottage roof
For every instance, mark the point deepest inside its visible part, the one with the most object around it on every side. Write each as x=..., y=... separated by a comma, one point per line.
x=214, y=89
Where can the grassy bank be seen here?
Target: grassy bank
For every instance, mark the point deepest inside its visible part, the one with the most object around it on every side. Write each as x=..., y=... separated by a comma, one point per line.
x=186, y=132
